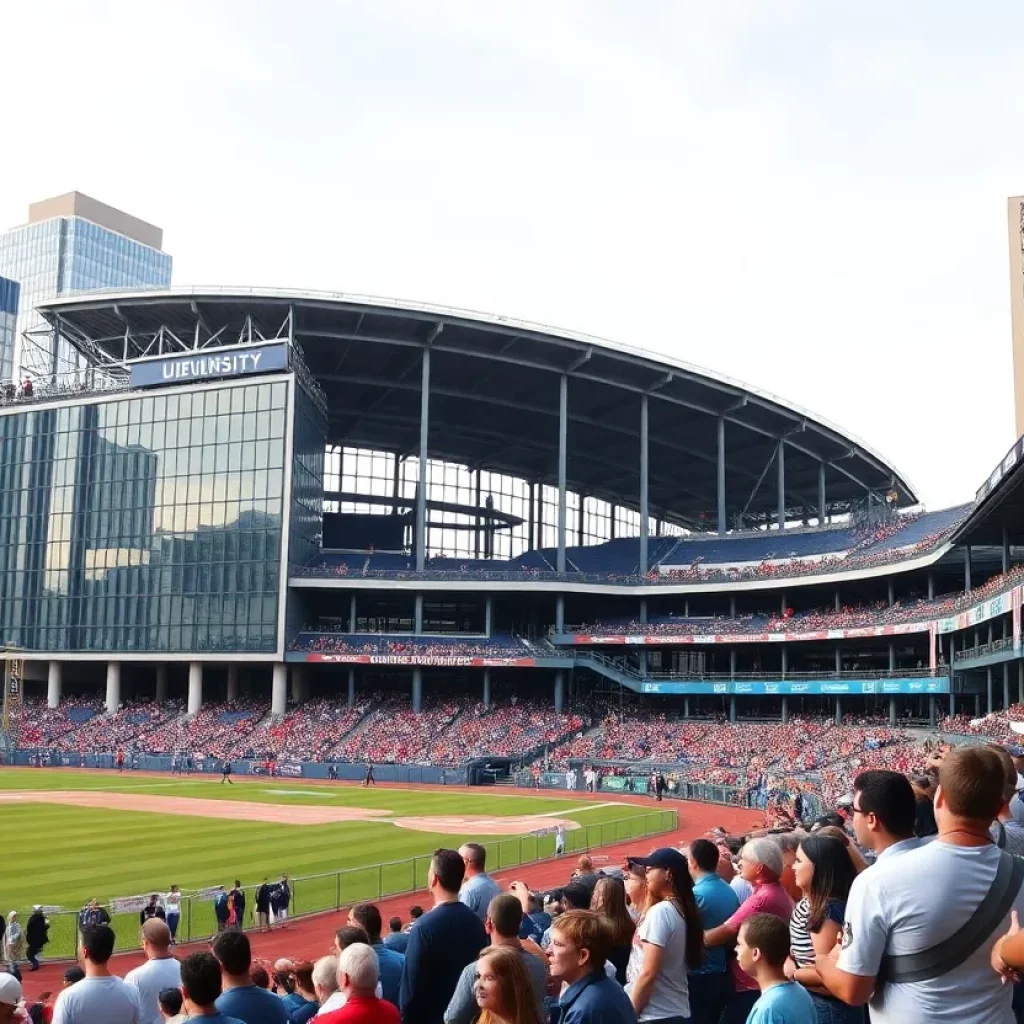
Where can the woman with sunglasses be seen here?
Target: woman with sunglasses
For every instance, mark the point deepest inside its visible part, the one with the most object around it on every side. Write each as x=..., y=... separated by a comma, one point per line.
x=669, y=941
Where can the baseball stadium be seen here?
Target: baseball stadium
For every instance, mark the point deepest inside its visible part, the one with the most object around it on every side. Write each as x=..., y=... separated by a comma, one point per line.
x=311, y=584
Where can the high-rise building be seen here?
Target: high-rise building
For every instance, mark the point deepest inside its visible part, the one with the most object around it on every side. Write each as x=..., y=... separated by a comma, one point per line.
x=8, y=325
x=1015, y=219
x=73, y=243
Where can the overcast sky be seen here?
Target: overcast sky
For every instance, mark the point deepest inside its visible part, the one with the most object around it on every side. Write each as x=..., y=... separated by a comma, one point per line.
x=808, y=196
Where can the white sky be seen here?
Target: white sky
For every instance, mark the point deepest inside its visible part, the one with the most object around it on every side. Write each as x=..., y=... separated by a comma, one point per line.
x=808, y=196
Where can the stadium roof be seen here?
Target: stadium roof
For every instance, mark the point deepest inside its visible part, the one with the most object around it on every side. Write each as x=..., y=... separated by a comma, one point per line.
x=494, y=396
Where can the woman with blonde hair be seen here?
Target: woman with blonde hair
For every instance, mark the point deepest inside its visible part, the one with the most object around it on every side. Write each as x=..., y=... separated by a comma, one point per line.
x=609, y=901
x=503, y=988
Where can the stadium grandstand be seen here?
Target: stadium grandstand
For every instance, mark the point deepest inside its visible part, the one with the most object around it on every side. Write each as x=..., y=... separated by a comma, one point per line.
x=267, y=525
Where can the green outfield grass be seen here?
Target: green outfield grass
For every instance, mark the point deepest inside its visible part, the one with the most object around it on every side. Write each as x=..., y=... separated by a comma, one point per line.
x=63, y=856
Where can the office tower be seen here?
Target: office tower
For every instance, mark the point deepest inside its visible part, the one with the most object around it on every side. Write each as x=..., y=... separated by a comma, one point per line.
x=8, y=322
x=73, y=243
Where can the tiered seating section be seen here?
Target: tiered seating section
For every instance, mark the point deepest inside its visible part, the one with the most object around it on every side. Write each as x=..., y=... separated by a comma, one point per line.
x=691, y=558
x=500, y=645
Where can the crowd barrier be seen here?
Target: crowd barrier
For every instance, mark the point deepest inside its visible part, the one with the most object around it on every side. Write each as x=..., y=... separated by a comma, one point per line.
x=317, y=894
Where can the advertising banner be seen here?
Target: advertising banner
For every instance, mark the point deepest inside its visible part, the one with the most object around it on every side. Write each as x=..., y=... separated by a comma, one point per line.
x=856, y=632
x=420, y=659
x=815, y=687
x=210, y=365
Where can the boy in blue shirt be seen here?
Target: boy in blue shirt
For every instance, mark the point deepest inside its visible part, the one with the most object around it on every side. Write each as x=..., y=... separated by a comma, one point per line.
x=761, y=948
x=200, y=987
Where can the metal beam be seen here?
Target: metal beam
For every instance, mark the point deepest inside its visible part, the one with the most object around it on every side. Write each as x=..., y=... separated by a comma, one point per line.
x=563, y=445
x=645, y=511
x=421, y=491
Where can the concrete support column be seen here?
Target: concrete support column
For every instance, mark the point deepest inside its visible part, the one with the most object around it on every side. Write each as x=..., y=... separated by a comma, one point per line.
x=351, y=687
x=782, y=603
x=732, y=662
x=722, y=524
x=732, y=607
x=300, y=684
x=232, y=684
x=781, y=515
x=892, y=657
x=559, y=614
x=732, y=709
x=417, y=624
x=839, y=711
x=645, y=511
x=892, y=594
x=785, y=710
x=279, y=689
x=1006, y=685
x=892, y=712
x=54, y=680
x=838, y=601
x=563, y=440
x=195, y=687
x=686, y=707
x=643, y=609
x=967, y=567
x=821, y=494
x=1006, y=551
x=489, y=616
x=487, y=688
x=990, y=704
x=559, y=692
x=352, y=614
x=977, y=705
x=931, y=586
x=161, y=683
x=417, y=690
x=952, y=700
x=686, y=607
x=420, y=539
x=839, y=660
x=784, y=652
x=113, y=685
x=933, y=713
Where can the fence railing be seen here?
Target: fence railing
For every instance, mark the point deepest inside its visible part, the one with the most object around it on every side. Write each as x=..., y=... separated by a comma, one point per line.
x=317, y=894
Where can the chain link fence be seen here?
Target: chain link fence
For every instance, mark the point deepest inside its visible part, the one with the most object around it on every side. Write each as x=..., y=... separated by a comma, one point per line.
x=316, y=894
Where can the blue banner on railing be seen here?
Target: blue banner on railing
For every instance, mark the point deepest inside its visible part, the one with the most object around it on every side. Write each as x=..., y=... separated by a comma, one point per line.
x=827, y=687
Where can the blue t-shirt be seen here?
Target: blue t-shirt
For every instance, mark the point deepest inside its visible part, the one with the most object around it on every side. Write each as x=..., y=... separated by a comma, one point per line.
x=252, y=1005
x=717, y=902
x=217, y=1018
x=788, y=1003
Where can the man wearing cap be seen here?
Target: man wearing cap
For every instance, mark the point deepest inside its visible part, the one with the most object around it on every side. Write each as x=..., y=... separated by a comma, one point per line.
x=10, y=998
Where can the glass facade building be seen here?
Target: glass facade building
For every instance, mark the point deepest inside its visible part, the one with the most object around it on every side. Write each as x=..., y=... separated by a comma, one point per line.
x=151, y=522
x=9, y=292
x=60, y=256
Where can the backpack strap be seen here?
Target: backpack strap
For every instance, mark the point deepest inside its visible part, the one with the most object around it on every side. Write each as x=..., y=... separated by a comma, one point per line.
x=1001, y=835
x=968, y=939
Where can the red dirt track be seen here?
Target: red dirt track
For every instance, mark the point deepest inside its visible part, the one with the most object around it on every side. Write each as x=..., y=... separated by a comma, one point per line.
x=310, y=938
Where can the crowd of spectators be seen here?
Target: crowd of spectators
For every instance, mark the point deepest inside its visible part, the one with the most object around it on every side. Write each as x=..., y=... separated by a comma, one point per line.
x=394, y=734
x=308, y=732
x=497, y=646
x=43, y=726
x=129, y=728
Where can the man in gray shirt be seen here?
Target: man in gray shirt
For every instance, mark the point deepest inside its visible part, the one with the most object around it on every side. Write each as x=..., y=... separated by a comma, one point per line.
x=502, y=923
x=479, y=888
x=99, y=998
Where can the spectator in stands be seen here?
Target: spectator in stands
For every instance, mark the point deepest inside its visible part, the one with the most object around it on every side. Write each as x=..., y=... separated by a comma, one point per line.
x=910, y=903
x=160, y=970
x=152, y=910
x=390, y=963
x=10, y=1000
x=262, y=904
x=171, y=1003
x=201, y=985
x=671, y=939
x=609, y=900
x=761, y=866
x=241, y=998
x=99, y=996
x=37, y=935
x=301, y=1003
x=415, y=913
x=358, y=981
x=580, y=941
x=172, y=903
x=634, y=879
x=503, y=988
x=325, y=984
x=504, y=918
x=479, y=888
x=824, y=872
x=396, y=939
x=761, y=950
x=717, y=902
x=440, y=945
x=1007, y=833
x=585, y=874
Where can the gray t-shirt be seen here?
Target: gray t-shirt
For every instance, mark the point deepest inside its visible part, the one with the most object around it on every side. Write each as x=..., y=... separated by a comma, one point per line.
x=910, y=903
x=463, y=1007
x=149, y=981
x=478, y=892
x=663, y=926
x=97, y=1001
x=1014, y=832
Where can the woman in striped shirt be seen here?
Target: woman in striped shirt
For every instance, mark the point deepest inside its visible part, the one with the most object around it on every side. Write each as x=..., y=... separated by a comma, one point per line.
x=824, y=871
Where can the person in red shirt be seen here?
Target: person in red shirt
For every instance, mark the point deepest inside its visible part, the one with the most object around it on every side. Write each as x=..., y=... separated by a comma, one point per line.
x=358, y=974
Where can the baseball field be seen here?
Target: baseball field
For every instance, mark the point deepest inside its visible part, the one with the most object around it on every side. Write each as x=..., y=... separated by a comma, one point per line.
x=70, y=836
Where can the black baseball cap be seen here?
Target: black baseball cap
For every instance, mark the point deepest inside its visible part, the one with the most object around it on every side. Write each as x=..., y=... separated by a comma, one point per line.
x=664, y=857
